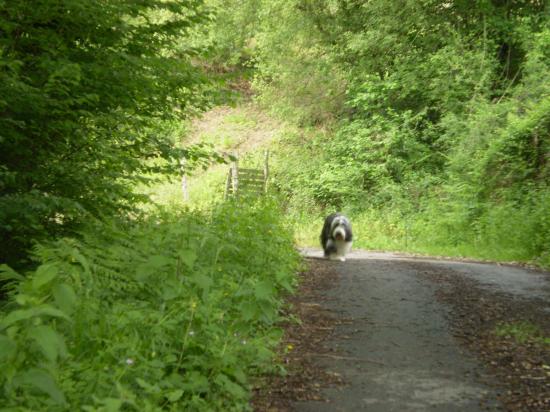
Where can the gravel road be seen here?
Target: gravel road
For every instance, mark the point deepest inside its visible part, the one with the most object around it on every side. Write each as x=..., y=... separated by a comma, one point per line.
x=396, y=351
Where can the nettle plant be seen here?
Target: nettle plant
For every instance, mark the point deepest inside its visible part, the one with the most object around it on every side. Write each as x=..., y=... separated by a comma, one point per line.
x=174, y=312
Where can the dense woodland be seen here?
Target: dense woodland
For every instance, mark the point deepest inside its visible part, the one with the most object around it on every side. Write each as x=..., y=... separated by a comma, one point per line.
x=431, y=117
x=428, y=121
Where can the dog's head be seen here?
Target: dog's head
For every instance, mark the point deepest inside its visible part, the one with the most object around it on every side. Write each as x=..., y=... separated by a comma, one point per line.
x=339, y=228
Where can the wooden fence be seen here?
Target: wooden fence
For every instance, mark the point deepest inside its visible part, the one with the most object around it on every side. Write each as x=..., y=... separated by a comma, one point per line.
x=246, y=181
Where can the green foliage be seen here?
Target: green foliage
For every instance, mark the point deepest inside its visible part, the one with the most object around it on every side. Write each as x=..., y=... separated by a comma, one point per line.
x=89, y=91
x=522, y=332
x=295, y=76
x=174, y=312
x=231, y=35
x=435, y=120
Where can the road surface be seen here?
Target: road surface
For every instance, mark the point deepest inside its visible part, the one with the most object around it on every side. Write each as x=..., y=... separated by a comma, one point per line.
x=398, y=351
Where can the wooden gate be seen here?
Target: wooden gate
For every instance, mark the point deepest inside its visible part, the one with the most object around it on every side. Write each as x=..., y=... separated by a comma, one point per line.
x=246, y=181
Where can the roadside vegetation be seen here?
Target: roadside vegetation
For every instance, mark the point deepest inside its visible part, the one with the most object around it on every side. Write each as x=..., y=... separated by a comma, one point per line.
x=522, y=332
x=426, y=121
x=175, y=311
x=115, y=295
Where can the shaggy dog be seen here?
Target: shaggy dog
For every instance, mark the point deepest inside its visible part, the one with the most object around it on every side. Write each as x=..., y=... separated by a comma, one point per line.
x=336, y=237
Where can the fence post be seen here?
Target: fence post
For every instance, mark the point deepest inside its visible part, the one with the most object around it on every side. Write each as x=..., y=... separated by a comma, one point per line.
x=185, y=188
x=235, y=176
x=266, y=170
x=184, y=185
x=227, y=184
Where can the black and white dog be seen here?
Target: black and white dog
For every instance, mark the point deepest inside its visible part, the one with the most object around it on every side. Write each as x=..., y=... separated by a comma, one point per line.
x=336, y=237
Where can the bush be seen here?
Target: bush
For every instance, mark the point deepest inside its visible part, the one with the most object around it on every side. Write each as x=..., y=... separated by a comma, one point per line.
x=175, y=311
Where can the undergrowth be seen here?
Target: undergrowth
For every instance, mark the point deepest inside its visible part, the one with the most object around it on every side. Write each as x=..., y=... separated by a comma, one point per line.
x=506, y=232
x=175, y=311
x=434, y=139
x=423, y=215
x=522, y=332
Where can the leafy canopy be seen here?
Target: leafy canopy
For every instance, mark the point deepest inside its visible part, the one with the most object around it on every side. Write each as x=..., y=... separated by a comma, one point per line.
x=89, y=90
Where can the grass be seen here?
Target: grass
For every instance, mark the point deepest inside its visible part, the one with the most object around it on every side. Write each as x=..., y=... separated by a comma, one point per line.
x=522, y=332
x=174, y=309
x=205, y=187
x=391, y=230
x=240, y=130
x=502, y=232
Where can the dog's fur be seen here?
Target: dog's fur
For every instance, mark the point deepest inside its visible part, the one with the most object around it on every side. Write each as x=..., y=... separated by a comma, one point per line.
x=336, y=237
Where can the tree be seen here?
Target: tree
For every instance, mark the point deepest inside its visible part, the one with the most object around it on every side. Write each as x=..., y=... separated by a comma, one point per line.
x=88, y=90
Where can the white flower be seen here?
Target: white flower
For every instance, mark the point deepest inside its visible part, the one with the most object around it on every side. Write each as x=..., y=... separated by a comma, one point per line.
x=129, y=361
x=191, y=333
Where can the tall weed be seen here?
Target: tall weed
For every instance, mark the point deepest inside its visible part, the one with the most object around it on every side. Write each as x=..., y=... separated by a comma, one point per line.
x=174, y=312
